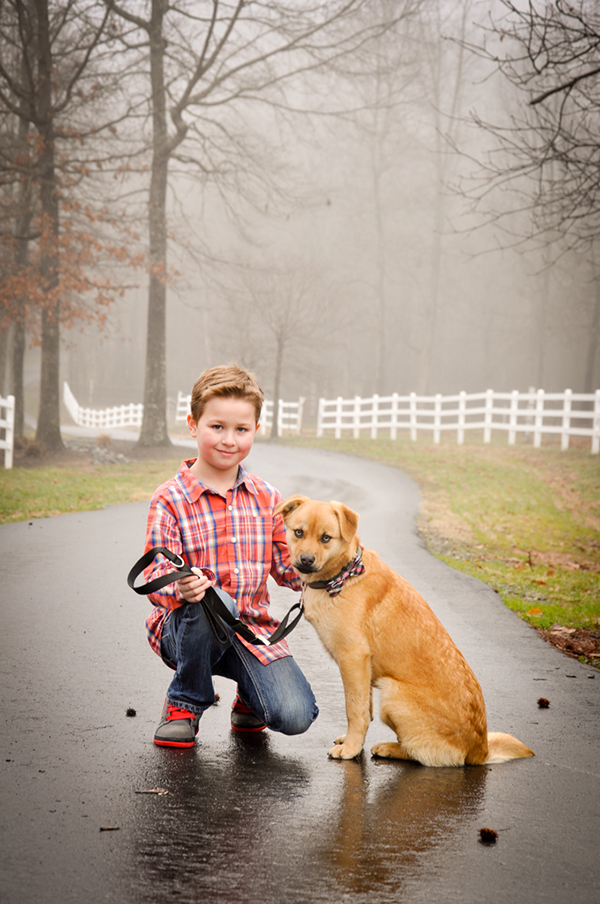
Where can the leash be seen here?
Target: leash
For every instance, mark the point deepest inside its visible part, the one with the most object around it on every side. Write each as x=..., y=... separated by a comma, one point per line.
x=214, y=607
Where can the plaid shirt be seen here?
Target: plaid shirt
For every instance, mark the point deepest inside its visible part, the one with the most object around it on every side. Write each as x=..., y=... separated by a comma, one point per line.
x=234, y=539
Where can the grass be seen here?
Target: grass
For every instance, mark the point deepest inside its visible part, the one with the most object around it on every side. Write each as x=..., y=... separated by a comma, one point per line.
x=28, y=493
x=526, y=521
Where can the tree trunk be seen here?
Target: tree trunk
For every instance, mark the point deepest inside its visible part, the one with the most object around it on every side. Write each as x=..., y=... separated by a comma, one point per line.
x=154, y=426
x=277, y=388
x=48, y=426
x=593, y=335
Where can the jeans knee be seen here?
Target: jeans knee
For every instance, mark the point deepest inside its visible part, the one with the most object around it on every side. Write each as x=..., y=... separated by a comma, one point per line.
x=293, y=716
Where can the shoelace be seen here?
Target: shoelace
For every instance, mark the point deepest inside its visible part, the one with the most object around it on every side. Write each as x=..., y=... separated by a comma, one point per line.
x=176, y=712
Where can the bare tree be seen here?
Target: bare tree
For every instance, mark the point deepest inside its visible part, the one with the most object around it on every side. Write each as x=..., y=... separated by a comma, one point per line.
x=547, y=150
x=48, y=83
x=206, y=69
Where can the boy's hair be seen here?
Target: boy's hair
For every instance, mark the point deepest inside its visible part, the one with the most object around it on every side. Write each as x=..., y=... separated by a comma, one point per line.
x=225, y=381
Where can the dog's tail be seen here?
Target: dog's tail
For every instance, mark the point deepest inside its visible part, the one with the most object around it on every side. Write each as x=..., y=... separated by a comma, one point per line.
x=503, y=747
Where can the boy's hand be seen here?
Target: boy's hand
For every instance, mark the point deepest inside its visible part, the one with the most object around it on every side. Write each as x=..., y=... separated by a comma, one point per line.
x=193, y=586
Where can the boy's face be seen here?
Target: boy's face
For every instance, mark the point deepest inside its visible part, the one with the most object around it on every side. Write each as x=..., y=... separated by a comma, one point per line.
x=224, y=433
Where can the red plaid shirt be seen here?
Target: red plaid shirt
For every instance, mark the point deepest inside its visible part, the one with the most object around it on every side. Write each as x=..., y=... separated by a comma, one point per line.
x=234, y=539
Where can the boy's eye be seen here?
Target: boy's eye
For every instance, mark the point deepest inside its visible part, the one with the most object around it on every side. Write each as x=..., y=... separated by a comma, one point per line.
x=299, y=533
x=325, y=538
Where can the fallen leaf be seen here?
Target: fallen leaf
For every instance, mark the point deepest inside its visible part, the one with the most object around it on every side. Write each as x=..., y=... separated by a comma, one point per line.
x=153, y=791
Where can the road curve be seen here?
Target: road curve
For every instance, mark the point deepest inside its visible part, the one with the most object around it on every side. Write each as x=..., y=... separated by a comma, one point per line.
x=271, y=819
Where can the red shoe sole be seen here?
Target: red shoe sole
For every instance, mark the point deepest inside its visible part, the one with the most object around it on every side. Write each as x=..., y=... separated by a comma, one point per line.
x=236, y=728
x=174, y=743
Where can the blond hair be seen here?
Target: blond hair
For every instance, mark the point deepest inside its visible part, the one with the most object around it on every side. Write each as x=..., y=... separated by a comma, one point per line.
x=225, y=381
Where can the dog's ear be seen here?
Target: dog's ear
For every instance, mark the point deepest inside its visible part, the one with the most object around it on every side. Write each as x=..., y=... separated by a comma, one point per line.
x=287, y=506
x=347, y=518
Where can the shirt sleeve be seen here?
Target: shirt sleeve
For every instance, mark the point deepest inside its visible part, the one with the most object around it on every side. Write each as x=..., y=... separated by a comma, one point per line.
x=163, y=530
x=281, y=566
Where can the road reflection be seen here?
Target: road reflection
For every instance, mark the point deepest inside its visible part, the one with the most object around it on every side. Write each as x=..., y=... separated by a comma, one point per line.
x=248, y=823
x=383, y=831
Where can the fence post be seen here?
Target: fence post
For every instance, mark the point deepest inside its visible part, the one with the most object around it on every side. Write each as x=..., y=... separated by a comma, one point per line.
x=374, y=416
x=394, y=417
x=356, y=418
x=338, y=417
x=566, y=420
x=596, y=425
x=514, y=408
x=539, y=419
x=320, y=416
x=8, y=423
x=488, y=416
x=462, y=407
x=413, y=416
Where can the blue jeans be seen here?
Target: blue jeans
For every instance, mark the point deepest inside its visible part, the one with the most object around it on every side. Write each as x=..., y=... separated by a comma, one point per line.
x=278, y=693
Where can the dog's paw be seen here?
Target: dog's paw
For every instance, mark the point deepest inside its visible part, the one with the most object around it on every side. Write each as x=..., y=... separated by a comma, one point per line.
x=390, y=750
x=340, y=740
x=344, y=752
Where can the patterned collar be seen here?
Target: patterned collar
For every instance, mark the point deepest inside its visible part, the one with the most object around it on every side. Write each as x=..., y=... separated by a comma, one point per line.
x=335, y=585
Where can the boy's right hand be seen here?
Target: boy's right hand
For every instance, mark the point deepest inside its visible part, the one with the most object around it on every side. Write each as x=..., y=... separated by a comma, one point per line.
x=193, y=586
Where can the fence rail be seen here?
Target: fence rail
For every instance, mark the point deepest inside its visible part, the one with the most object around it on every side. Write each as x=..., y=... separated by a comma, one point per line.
x=289, y=417
x=7, y=428
x=536, y=413
x=119, y=416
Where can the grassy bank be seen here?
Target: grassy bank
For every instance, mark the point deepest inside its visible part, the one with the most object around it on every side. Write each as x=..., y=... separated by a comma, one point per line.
x=525, y=521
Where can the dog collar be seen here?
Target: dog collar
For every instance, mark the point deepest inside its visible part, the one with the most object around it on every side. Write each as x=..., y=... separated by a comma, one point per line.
x=335, y=585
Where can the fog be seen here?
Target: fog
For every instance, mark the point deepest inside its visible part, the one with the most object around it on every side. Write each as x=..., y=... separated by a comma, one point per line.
x=357, y=234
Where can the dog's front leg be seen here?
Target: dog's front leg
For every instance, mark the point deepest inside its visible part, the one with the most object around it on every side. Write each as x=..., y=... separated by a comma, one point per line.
x=355, y=669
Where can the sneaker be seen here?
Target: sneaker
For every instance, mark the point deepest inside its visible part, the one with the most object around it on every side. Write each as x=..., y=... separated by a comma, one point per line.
x=178, y=727
x=243, y=719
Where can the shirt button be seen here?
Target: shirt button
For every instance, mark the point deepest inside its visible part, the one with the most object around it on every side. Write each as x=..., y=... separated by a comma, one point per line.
x=230, y=507
x=236, y=570
x=233, y=539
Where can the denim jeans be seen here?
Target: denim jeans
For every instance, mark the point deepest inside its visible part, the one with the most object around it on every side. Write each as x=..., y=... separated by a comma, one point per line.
x=278, y=693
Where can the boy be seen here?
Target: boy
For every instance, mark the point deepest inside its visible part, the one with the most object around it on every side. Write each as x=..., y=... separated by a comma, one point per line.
x=220, y=520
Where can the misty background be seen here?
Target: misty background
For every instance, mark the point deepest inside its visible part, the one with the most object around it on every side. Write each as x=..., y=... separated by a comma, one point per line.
x=352, y=234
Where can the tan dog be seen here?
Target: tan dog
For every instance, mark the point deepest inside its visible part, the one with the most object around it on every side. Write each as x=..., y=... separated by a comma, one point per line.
x=383, y=634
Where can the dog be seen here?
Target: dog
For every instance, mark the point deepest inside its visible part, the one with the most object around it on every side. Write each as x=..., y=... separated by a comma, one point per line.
x=381, y=633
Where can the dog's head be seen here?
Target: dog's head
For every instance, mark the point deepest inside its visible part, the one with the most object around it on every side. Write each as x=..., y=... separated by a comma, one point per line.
x=321, y=536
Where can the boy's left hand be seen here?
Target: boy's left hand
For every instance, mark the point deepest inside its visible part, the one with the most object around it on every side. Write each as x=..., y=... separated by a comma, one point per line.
x=193, y=586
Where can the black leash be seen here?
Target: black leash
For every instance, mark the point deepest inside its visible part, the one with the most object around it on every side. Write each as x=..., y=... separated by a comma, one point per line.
x=213, y=605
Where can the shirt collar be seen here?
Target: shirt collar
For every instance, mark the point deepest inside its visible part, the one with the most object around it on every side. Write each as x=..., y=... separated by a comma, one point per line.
x=194, y=488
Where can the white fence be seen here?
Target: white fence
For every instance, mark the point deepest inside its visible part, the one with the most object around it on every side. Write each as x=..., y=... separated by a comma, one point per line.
x=7, y=429
x=119, y=416
x=533, y=413
x=289, y=418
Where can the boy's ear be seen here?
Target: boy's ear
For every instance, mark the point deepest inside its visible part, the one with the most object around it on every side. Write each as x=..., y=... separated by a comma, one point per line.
x=192, y=424
x=287, y=506
x=348, y=519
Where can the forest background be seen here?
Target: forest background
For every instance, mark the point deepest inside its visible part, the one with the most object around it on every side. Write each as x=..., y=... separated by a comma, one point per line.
x=347, y=197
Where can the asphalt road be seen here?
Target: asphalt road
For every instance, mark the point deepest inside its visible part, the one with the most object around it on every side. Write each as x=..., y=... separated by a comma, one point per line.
x=268, y=818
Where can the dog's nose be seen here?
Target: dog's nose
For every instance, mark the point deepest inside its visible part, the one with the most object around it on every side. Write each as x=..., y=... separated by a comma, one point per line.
x=307, y=560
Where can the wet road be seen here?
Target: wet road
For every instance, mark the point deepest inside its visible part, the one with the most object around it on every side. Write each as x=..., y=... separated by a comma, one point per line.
x=268, y=818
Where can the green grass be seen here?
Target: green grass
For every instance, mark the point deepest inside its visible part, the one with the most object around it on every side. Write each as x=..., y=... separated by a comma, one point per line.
x=27, y=493
x=526, y=521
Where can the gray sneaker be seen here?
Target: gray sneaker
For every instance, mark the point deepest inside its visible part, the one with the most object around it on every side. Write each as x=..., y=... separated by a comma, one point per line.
x=177, y=727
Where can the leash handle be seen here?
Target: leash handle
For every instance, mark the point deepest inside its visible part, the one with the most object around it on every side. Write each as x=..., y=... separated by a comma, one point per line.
x=213, y=605
x=182, y=569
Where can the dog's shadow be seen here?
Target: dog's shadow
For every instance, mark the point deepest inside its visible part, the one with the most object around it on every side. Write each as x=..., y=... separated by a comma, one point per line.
x=392, y=814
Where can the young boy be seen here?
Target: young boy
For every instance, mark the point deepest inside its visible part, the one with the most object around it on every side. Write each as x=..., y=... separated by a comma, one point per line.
x=219, y=519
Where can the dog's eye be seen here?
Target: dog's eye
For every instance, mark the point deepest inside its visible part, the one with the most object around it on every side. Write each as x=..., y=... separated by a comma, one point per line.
x=299, y=533
x=325, y=538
